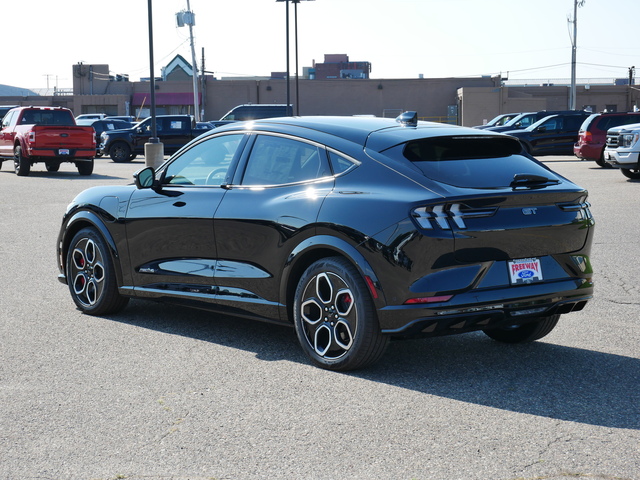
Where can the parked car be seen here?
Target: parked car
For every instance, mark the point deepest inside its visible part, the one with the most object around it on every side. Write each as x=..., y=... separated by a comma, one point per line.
x=498, y=120
x=4, y=109
x=526, y=119
x=105, y=125
x=29, y=135
x=553, y=135
x=253, y=111
x=592, y=136
x=127, y=118
x=623, y=149
x=174, y=131
x=91, y=116
x=354, y=230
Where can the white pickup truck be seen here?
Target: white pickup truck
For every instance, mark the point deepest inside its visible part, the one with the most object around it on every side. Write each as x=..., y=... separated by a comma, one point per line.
x=623, y=149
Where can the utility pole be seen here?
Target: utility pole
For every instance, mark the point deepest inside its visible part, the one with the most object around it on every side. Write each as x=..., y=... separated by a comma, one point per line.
x=574, y=47
x=189, y=18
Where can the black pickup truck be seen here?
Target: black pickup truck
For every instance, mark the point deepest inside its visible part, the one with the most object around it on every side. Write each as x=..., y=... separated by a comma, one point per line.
x=174, y=131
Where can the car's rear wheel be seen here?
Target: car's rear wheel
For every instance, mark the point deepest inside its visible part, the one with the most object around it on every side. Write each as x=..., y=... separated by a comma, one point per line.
x=21, y=164
x=120, y=152
x=90, y=274
x=632, y=173
x=528, y=332
x=335, y=318
x=85, y=168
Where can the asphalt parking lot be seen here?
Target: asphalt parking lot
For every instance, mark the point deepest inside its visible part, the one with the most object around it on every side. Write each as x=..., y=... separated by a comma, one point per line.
x=159, y=392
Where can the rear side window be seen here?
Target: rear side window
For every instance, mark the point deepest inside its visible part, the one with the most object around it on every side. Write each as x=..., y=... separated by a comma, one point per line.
x=471, y=162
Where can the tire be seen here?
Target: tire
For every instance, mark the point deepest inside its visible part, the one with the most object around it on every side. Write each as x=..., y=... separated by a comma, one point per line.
x=52, y=166
x=21, y=164
x=601, y=162
x=91, y=276
x=528, y=332
x=632, y=173
x=132, y=156
x=85, y=168
x=334, y=317
x=120, y=152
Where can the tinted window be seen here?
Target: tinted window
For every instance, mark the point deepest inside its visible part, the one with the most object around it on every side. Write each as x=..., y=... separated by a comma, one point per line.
x=278, y=161
x=474, y=162
x=340, y=164
x=47, y=117
x=205, y=163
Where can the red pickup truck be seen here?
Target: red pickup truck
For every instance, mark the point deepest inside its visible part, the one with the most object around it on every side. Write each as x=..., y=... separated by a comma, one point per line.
x=46, y=134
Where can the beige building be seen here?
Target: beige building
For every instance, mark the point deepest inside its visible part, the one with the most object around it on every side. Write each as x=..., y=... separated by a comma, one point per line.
x=463, y=101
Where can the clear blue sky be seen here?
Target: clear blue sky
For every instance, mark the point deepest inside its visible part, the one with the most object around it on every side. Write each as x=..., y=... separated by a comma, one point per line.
x=401, y=38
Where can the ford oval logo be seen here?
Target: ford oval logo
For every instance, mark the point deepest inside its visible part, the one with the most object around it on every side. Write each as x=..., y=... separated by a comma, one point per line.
x=64, y=135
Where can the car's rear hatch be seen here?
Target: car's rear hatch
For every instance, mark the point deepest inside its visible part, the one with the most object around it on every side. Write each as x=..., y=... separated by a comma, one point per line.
x=498, y=204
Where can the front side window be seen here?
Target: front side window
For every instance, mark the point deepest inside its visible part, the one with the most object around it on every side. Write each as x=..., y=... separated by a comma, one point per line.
x=278, y=161
x=206, y=163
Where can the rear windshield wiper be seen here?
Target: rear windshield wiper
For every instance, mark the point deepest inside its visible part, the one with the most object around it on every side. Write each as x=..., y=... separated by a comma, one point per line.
x=527, y=180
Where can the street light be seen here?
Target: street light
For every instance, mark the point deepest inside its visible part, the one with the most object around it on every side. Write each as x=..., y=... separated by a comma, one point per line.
x=295, y=6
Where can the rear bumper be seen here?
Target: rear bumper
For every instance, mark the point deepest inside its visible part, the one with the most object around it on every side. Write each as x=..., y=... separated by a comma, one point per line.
x=490, y=311
x=588, y=151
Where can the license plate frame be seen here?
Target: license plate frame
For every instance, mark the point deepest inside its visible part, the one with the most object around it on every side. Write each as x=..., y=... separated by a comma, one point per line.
x=63, y=152
x=525, y=270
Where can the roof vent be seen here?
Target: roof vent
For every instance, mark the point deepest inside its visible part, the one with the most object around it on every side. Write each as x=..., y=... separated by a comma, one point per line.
x=408, y=119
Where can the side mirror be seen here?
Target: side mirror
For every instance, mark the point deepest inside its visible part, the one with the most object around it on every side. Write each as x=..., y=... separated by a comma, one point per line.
x=541, y=129
x=144, y=178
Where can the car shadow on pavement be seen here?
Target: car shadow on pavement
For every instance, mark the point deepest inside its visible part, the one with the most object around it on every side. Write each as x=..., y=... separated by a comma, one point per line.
x=540, y=378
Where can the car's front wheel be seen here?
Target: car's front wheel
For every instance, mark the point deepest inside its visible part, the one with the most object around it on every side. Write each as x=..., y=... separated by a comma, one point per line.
x=335, y=318
x=91, y=276
x=120, y=152
x=527, y=332
x=632, y=173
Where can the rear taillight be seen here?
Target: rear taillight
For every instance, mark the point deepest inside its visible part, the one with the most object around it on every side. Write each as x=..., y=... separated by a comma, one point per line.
x=32, y=137
x=587, y=137
x=449, y=216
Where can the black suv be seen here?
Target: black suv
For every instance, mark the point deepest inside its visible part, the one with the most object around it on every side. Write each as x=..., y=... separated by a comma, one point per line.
x=526, y=119
x=553, y=135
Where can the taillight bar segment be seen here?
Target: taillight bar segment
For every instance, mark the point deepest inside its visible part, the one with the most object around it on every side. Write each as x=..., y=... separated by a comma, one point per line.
x=442, y=215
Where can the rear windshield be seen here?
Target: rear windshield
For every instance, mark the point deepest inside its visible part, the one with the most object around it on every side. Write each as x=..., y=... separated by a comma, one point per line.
x=47, y=117
x=472, y=162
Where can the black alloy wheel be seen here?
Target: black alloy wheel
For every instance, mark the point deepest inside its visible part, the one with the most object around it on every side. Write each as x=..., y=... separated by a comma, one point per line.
x=91, y=276
x=335, y=318
x=525, y=333
x=21, y=164
x=632, y=173
x=120, y=152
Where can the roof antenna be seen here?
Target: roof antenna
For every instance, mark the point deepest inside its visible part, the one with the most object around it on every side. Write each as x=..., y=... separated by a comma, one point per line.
x=408, y=119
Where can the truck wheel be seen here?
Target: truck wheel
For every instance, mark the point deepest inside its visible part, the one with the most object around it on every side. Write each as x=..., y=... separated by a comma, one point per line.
x=52, y=166
x=120, y=152
x=528, y=332
x=21, y=164
x=632, y=173
x=85, y=168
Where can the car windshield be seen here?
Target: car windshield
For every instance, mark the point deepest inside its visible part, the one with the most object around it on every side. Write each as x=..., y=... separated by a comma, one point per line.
x=472, y=162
